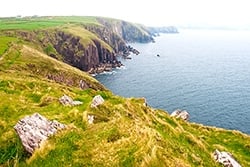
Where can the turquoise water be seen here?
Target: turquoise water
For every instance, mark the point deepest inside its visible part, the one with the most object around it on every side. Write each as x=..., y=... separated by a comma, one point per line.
x=206, y=73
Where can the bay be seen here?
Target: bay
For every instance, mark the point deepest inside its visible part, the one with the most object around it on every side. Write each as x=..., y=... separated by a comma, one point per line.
x=206, y=72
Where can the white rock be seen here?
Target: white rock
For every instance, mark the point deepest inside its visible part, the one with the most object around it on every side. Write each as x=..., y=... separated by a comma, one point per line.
x=226, y=159
x=97, y=100
x=183, y=114
x=66, y=100
x=34, y=129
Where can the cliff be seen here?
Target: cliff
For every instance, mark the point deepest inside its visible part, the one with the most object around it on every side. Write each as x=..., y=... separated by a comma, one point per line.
x=90, y=46
x=116, y=132
x=130, y=32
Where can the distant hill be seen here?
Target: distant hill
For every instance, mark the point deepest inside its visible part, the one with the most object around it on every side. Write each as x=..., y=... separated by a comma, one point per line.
x=125, y=131
x=157, y=30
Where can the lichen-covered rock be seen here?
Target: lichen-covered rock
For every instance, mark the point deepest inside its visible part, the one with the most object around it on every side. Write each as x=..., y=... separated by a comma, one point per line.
x=34, y=129
x=226, y=159
x=66, y=100
x=97, y=100
x=183, y=114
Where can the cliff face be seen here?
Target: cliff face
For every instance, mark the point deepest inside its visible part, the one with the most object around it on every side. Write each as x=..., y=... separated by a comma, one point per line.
x=89, y=47
x=83, y=57
x=128, y=31
x=108, y=35
x=93, y=56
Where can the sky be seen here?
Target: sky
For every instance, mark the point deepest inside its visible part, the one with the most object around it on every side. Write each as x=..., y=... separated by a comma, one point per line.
x=214, y=13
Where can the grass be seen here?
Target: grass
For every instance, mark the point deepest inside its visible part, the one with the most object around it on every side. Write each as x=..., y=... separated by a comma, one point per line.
x=5, y=43
x=86, y=36
x=124, y=133
x=34, y=23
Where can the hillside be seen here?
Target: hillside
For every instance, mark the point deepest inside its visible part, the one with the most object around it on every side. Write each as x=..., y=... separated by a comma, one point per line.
x=125, y=132
x=88, y=43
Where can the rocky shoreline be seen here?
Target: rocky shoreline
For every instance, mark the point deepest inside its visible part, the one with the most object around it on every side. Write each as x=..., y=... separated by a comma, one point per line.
x=104, y=67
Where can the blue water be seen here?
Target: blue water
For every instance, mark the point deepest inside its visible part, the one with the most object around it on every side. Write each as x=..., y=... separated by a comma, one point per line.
x=206, y=73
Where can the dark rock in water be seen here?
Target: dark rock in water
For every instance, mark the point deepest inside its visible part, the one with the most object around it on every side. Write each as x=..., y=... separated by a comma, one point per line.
x=183, y=114
x=35, y=129
x=226, y=159
x=97, y=100
x=66, y=100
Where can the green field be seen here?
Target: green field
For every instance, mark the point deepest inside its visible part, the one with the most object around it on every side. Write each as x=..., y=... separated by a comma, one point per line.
x=33, y=23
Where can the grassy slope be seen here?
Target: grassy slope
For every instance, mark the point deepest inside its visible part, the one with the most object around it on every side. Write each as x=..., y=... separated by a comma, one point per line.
x=86, y=36
x=125, y=132
x=5, y=43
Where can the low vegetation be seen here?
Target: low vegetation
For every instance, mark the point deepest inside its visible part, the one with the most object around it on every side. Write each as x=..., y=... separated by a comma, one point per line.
x=5, y=43
x=34, y=23
x=125, y=132
x=86, y=36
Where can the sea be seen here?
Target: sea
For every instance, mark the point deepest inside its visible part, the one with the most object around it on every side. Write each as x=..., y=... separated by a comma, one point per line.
x=206, y=72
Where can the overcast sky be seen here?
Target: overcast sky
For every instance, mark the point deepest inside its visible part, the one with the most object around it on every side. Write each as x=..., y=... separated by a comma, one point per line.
x=234, y=13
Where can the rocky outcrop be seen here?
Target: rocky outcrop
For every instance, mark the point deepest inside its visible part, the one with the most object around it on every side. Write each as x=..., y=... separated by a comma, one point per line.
x=132, y=33
x=128, y=50
x=68, y=101
x=183, y=114
x=97, y=100
x=83, y=57
x=108, y=35
x=226, y=159
x=129, y=32
x=35, y=129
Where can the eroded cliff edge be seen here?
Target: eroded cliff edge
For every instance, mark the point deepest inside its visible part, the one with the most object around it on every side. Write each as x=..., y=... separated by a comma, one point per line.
x=89, y=47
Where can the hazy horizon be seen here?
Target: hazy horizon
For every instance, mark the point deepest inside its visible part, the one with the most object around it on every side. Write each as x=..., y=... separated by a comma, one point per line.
x=193, y=13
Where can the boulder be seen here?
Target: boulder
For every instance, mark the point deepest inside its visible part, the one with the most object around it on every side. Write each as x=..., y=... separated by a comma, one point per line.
x=97, y=100
x=183, y=114
x=66, y=100
x=35, y=129
x=226, y=159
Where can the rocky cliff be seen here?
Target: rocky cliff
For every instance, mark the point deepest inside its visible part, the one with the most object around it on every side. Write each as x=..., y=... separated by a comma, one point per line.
x=130, y=32
x=89, y=47
x=101, y=129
